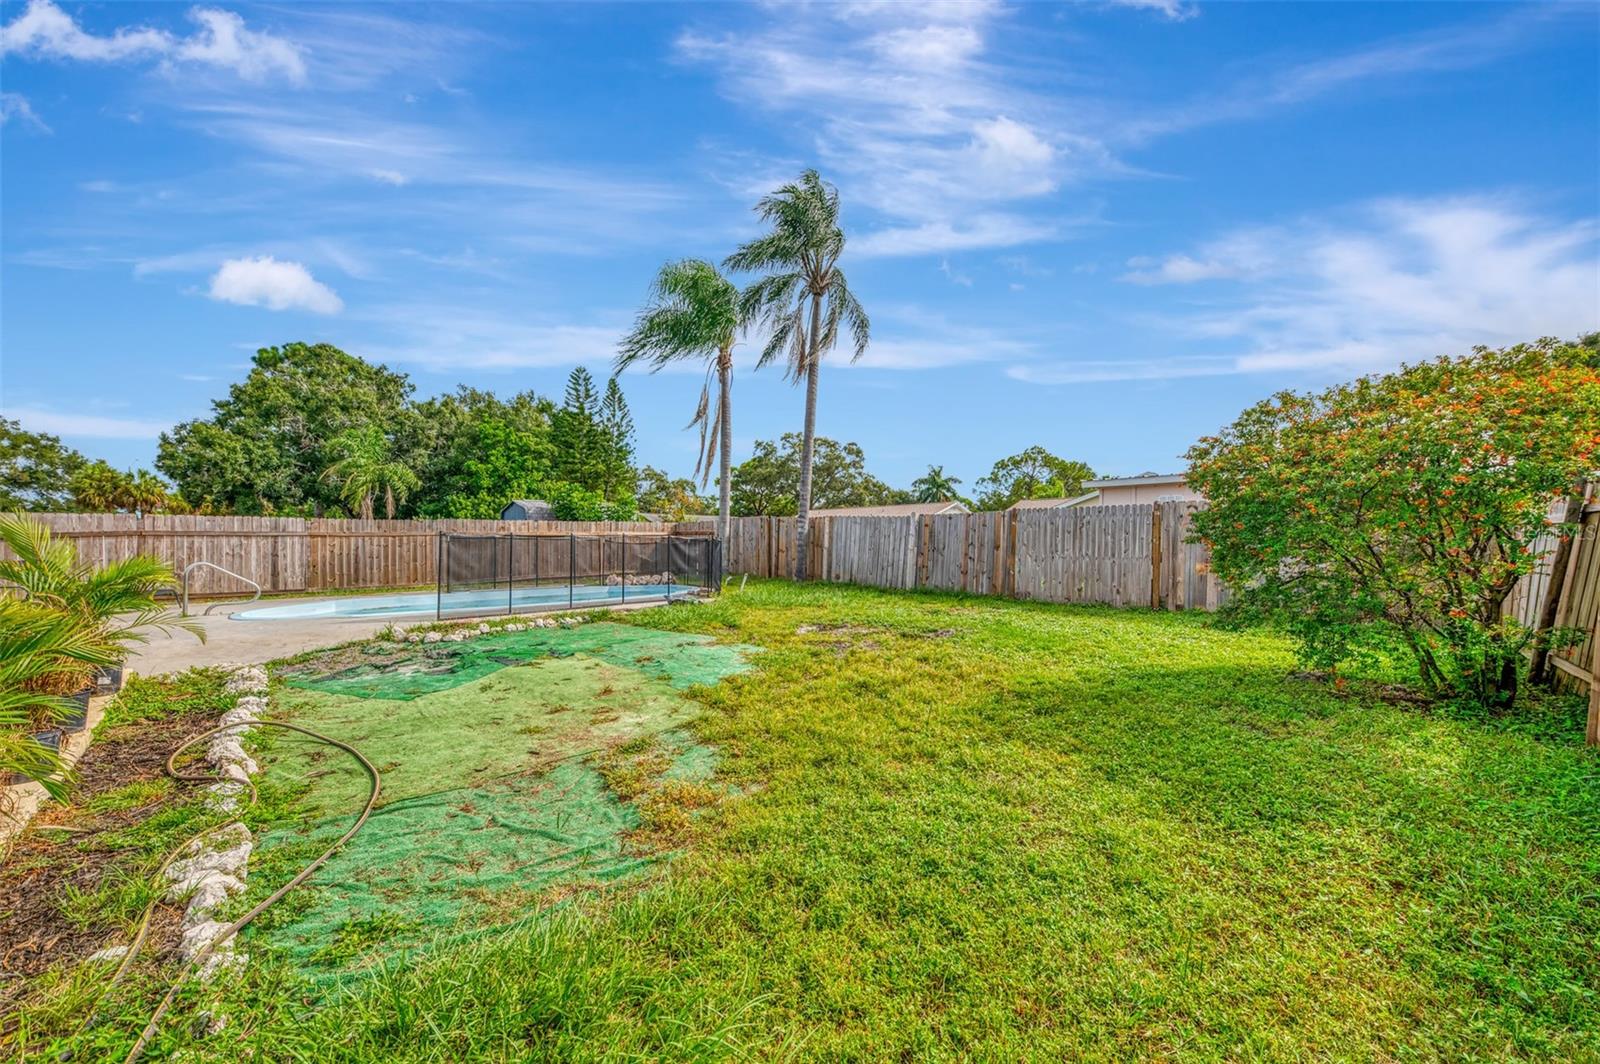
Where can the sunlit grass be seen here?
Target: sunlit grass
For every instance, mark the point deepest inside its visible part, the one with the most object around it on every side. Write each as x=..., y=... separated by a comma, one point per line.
x=971, y=828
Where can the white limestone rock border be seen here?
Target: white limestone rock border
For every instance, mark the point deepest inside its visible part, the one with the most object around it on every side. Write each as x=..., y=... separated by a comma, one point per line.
x=213, y=867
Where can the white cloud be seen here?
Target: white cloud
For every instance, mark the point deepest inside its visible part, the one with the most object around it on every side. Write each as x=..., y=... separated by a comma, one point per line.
x=448, y=337
x=953, y=275
x=46, y=30
x=222, y=41
x=927, y=352
x=1395, y=280
x=1460, y=46
x=14, y=105
x=983, y=231
x=87, y=425
x=1175, y=10
x=909, y=117
x=1136, y=369
x=266, y=282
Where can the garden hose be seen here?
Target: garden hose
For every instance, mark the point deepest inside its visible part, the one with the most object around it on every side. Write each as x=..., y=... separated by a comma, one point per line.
x=234, y=928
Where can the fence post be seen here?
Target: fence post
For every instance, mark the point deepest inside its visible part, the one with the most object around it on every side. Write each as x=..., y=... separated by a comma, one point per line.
x=1591, y=731
x=624, y=568
x=1155, y=556
x=572, y=565
x=438, y=581
x=669, y=563
x=511, y=573
x=1011, y=553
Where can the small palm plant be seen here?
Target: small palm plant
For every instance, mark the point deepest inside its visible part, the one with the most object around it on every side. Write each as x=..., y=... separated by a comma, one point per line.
x=694, y=313
x=115, y=604
x=802, y=252
x=367, y=471
x=38, y=644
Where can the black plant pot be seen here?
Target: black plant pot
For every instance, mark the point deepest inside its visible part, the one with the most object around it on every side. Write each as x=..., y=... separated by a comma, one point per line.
x=50, y=739
x=77, y=717
x=108, y=680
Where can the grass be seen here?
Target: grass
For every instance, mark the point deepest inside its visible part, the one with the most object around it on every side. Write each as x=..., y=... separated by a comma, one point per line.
x=976, y=829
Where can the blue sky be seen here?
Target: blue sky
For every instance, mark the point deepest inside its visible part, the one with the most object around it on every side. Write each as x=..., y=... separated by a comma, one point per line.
x=1100, y=227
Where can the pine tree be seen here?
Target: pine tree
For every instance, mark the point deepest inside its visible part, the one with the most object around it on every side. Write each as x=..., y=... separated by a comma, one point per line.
x=616, y=443
x=576, y=435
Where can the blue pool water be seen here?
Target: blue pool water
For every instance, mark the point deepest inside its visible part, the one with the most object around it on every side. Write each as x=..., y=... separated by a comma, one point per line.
x=486, y=601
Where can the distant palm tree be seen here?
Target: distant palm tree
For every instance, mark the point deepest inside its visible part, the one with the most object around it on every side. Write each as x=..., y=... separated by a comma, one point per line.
x=694, y=313
x=145, y=492
x=803, y=252
x=367, y=471
x=98, y=488
x=935, y=486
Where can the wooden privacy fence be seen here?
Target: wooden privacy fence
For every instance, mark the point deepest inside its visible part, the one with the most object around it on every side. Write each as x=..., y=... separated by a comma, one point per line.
x=287, y=554
x=1577, y=588
x=1134, y=555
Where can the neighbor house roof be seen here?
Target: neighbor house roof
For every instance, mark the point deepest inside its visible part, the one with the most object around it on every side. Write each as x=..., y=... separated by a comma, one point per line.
x=905, y=509
x=1054, y=504
x=1154, y=479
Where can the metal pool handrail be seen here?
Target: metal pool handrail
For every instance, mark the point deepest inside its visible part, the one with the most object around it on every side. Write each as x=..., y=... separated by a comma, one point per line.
x=226, y=572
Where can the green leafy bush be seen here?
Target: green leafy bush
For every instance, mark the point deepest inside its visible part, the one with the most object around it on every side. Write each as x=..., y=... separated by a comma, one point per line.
x=1403, y=507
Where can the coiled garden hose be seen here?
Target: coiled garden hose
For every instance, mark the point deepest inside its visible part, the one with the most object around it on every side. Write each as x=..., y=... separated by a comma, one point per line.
x=266, y=903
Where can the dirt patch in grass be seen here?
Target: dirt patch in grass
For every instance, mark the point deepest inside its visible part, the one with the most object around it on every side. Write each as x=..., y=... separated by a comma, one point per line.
x=67, y=884
x=836, y=629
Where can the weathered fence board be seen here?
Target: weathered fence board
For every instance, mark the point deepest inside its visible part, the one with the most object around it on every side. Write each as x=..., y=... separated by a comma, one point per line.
x=287, y=554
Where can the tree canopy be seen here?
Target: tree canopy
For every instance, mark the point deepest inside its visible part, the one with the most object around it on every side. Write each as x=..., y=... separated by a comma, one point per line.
x=768, y=482
x=35, y=469
x=1033, y=474
x=265, y=447
x=672, y=497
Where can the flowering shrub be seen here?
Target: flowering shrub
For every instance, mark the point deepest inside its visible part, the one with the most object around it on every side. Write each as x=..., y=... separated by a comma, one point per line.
x=1404, y=506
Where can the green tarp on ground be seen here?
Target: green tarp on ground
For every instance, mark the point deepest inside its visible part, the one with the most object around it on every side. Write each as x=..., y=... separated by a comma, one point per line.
x=493, y=797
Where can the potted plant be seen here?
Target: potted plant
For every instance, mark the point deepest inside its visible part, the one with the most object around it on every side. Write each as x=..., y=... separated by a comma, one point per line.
x=107, y=680
x=72, y=685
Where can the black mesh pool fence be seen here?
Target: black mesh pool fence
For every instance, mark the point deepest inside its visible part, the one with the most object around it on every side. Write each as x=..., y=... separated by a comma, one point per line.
x=484, y=574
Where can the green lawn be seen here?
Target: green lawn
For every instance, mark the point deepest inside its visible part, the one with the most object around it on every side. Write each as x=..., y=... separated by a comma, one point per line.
x=970, y=828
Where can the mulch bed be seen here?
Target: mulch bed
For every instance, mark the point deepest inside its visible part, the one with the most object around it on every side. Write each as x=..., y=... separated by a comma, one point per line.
x=42, y=863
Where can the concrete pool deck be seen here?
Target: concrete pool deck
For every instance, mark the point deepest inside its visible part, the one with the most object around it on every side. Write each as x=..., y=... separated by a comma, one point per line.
x=256, y=642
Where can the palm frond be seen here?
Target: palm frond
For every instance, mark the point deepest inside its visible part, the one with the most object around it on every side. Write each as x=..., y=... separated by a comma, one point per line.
x=693, y=312
x=853, y=313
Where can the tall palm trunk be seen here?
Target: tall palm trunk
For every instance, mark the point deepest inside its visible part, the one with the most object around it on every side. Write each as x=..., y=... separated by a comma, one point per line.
x=725, y=427
x=813, y=361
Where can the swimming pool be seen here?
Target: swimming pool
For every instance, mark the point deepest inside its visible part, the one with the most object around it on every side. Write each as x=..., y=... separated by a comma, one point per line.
x=451, y=602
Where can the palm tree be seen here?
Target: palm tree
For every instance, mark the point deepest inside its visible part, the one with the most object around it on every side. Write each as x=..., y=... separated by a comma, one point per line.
x=368, y=470
x=802, y=251
x=145, y=492
x=935, y=486
x=694, y=313
x=99, y=488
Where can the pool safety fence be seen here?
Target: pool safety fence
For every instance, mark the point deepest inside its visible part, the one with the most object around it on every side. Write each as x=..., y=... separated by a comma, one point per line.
x=511, y=573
